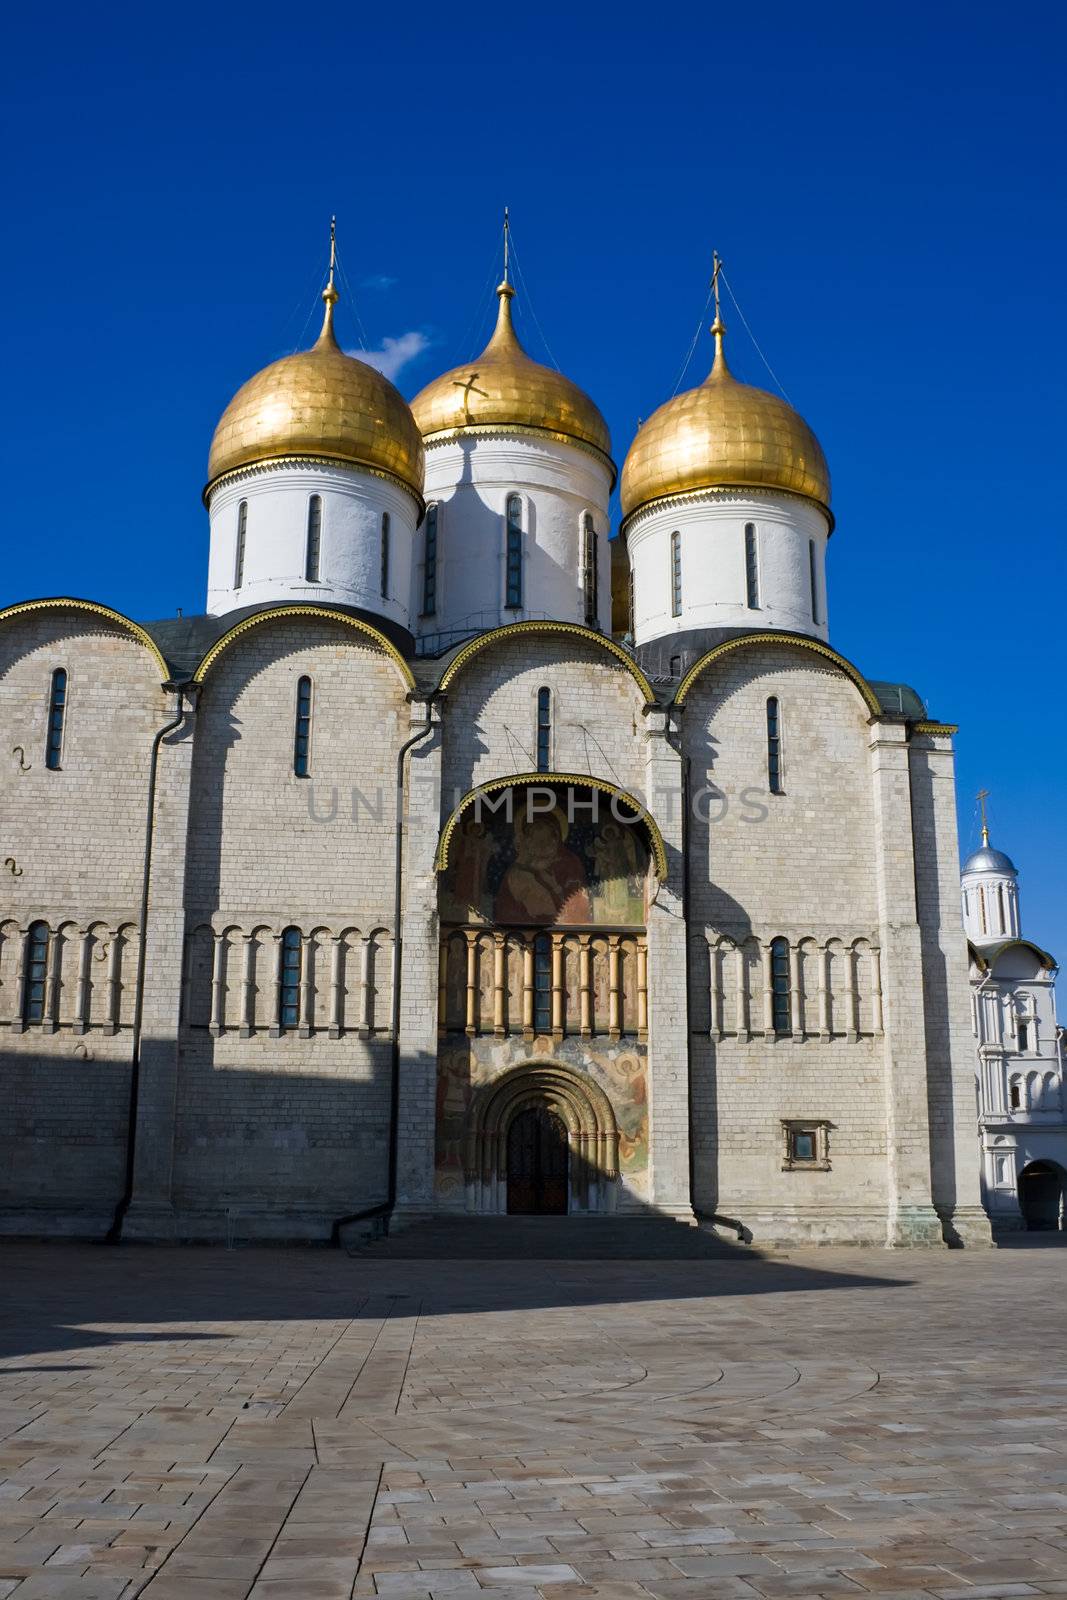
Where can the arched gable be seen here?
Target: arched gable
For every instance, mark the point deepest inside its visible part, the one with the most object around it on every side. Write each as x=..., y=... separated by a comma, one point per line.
x=286, y=613
x=93, y=608
x=513, y=629
x=797, y=641
x=548, y=780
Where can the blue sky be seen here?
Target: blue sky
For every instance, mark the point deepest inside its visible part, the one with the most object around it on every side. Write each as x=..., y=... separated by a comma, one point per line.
x=884, y=183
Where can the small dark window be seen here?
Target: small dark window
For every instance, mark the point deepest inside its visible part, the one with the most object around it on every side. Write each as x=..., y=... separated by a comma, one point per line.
x=676, y=666
x=429, y=567
x=385, y=555
x=544, y=730
x=676, y=574
x=514, y=553
x=302, y=743
x=1015, y=1098
x=630, y=614
x=813, y=580
x=314, y=545
x=57, y=710
x=751, y=566
x=36, y=978
x=774, y=746
x=780, y=985
x=542, y=983
x=1024, y=1036
x=589, y=569
x=292, y=953
x=803, y=1144
x=242, y=535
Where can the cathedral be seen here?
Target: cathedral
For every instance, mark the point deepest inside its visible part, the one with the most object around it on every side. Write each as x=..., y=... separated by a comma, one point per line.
x=464, y=858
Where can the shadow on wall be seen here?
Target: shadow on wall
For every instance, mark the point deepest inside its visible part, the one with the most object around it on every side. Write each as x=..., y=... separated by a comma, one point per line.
x=937, y=1006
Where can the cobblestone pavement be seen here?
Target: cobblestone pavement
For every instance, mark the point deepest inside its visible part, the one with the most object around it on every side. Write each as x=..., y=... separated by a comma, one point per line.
x=215, y=1425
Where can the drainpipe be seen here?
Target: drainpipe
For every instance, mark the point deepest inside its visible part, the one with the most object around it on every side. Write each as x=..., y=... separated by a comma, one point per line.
x=385, y=1207
x=114, y=1233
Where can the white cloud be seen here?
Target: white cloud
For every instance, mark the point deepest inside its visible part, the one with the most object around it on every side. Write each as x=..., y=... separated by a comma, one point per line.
x=395, y=354
x=380, y=280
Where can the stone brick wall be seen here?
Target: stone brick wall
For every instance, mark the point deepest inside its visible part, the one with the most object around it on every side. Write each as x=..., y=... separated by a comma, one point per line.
x=265, y=1124
x=75, y=838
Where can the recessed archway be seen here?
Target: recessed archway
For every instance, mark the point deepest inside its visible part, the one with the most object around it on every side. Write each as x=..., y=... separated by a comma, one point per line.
x=546, y=1089
x=1042, y=1196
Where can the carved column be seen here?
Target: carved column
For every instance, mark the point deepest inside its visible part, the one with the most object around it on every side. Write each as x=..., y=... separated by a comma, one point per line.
x=248, y=988
x=307, y=993
x=337, y=986
x=796, y=1019
x=585, y=960
x=557, y=986
x=824, y=994
x=642, y=988
x=81, y=1002
x=499, y=954
x=614, y=997
x=472, y=983
x=218, y=950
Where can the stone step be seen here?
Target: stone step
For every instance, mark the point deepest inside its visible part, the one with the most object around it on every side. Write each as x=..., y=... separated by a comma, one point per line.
x=637, y=1238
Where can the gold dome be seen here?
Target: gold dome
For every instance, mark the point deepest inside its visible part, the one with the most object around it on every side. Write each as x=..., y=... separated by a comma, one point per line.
x=503, y=388
x=320, y=403
x=727, y=434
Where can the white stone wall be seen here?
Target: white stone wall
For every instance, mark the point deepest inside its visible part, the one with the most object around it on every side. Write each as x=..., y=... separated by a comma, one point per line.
x=799, y=865
x=72, y=844
x=268, y=1124
x=490, y=714
x=275, y=554
x=714, y=590
x=470, y=479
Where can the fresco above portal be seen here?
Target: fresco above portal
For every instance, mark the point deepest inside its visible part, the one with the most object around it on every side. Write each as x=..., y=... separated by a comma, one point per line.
x=515, y=867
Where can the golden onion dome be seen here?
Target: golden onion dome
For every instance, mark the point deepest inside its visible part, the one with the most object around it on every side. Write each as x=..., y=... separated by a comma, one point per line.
x=504, y=389
x=723, y=434
x=320, y=403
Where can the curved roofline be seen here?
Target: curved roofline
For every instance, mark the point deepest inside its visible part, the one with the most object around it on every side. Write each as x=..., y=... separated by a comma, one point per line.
x=986, y=959
x=510, y=629
x=686, y=496
x=523, y=430
x=798, y=640
x=68, y=603
x=315, y=457
x=274, y=613
x=545, y=780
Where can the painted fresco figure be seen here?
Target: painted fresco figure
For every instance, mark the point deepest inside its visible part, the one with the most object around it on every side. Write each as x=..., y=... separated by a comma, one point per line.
x=546, y=882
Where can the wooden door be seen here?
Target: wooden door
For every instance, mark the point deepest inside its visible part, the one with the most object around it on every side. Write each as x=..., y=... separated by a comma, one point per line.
x=537, y=1164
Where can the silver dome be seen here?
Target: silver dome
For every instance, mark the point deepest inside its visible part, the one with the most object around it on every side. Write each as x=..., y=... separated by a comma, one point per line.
x=989, y=860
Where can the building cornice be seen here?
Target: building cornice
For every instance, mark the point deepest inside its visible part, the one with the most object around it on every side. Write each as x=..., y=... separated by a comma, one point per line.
x=502, y=430
x=721, y=491
x=254, y=469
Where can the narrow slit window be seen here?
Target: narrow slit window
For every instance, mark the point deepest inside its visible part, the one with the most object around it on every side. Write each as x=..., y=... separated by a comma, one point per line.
x=751, y=567
x=289, y=998
x=542, y=983
x=302, y=741
x=813, y=581
x=242, y=536
x=676, y=574
x=314, y=543
x=429, y=565
x=544, y=730
x=780, y=985
x=774, y=746
x=630, y=602
x=1024, y=1036
x=1015, y=1098
x=590, y=574
x=385, y=555
x=514, y=552
x=36, y=980
x=57, y=711
x=981, y=909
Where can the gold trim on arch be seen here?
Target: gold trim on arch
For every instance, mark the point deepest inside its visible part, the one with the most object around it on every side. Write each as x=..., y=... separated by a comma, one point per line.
x=275, y=612
x=511, y=629
x=874, y=705
x=546, y=780
x=96, y=609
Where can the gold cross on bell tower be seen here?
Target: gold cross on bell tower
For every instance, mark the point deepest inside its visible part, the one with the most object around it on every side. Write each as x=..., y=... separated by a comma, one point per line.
x=982, y=796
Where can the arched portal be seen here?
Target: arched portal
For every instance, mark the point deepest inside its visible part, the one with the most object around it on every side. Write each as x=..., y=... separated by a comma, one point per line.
x=555, y=1128
x=1041, y=1196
